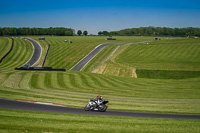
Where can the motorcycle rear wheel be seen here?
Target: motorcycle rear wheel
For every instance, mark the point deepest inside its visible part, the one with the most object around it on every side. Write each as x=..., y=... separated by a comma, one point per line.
x=103, y=108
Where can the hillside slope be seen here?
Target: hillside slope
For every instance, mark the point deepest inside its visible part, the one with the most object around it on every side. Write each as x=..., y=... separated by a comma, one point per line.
x=21, y=53
x=165, y=57
x=5, y=45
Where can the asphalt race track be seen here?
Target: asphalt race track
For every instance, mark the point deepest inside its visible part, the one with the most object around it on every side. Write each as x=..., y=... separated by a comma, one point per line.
x=90, y=56
x=18, y=105
x=37, y=52
x=93, y=53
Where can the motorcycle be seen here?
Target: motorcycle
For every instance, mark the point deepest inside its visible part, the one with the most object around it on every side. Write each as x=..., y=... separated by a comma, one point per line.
x=93, y=106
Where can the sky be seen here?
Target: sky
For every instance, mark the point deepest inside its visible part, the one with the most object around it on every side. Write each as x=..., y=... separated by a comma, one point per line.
x=99, y=15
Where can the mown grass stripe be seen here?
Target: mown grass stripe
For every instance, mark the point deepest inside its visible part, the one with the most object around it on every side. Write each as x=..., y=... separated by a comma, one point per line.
x=60, y=80
x=3, y=77
x=103, y=80
x=123, y=82
x=35, y=81
x=66, y=80
x=73, y=82
x=42, y=80
x=14, y=56
x=55, y=81
x=79, y=81
x=6, y=48
x=87, y=81
x=108, y=81
x=47, y=80
x=97, y=81
x=5, y=45
x=25, y=81
x=21, y=52
x=13, y=81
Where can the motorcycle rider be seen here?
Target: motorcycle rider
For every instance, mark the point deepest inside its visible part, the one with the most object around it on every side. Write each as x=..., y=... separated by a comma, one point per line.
x=97, y=101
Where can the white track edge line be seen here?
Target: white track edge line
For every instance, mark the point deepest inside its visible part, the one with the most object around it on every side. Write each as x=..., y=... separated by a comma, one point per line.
x=33, y=50
x=92, y=58
x=87, y=55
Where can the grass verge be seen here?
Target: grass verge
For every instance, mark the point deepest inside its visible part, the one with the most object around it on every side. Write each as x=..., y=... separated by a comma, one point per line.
x=28, y=121
x=5, y=45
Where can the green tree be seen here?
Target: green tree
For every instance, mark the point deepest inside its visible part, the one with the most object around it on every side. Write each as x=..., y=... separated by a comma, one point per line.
x=68, y=33
x=105, y=33
x=1, y=31
x=79, y=32
x=61, y=31
x=6, y=31
x=100, y=33
x=85, y=33
x=35, y=31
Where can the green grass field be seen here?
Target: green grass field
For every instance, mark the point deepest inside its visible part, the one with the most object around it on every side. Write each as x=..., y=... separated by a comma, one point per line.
x=73, y=89
x=178, y=54
x=5, y=45
x=159, y=87
x=167, y=59
x=21, y=53
x=27, y=121
x=66, y=55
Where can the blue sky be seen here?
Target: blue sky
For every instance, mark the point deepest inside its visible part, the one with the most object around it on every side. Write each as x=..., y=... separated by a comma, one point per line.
x=99, y=15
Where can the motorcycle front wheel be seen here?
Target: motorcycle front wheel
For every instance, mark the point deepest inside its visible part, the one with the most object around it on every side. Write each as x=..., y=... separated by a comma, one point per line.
x=87, y=107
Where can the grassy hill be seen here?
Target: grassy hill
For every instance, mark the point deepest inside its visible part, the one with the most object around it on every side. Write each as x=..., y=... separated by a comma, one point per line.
x=21, y=53
x=74, y=89
x=166, y=59
x=65, y=55
x=178, y=54
x=5, y=45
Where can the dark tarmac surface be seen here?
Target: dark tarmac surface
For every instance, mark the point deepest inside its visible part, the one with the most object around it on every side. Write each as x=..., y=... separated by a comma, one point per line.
x=18, y=105
x=36, y=54
x=90, y=56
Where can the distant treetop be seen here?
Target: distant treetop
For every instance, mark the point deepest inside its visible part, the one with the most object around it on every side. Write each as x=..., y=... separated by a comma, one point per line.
x=85, y=33
x=79, y=32
x=60, y=31
x=154, y=31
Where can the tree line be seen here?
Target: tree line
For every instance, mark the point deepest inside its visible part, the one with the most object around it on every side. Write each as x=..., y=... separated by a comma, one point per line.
x=60, y=31
x=154, y=31
x=142, y=31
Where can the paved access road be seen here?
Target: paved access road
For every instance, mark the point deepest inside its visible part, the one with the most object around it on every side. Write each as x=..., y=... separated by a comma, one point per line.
x=10, y=104
x=90, y=56
x=93, y=53
x=36, y=54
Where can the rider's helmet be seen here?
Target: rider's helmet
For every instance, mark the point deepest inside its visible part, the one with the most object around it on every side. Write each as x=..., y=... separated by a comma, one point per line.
x=99, y=96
